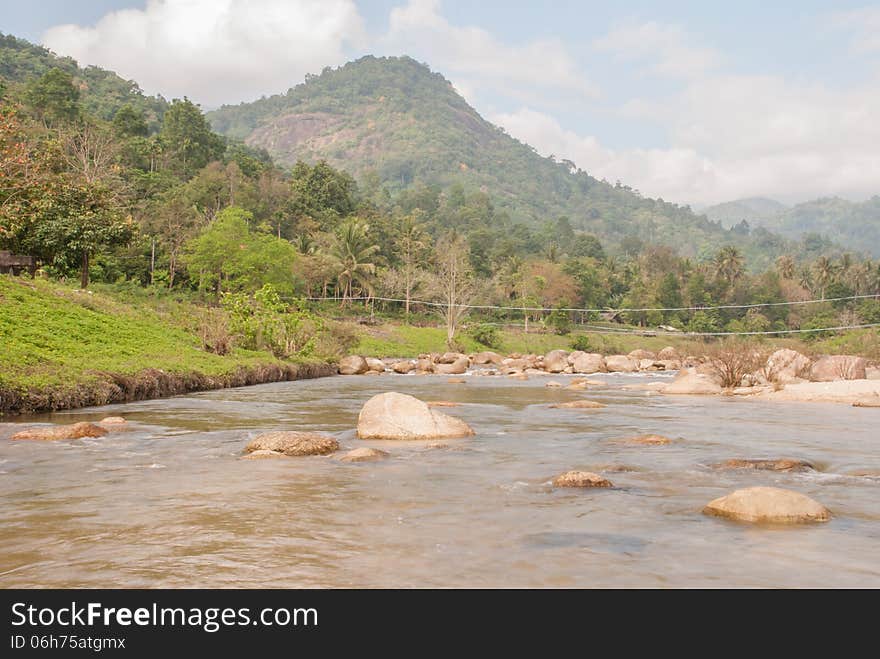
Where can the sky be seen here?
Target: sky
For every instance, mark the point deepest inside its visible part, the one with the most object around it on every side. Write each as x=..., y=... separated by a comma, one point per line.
x=694, y=102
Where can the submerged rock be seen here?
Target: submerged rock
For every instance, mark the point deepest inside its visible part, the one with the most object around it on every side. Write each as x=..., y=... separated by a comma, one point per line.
x=784, y=464
x=353, y=365
x=581, y=479
x=113, y=421
x=553, y=384
x=55, y=433
x=578, y=405
x=294, y=443
x=768, y=504
x=262, y=454
x=649, y=440
x=364, y=454
x=399, y=416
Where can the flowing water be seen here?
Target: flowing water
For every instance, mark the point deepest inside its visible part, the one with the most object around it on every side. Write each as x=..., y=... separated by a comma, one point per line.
x=170, y=504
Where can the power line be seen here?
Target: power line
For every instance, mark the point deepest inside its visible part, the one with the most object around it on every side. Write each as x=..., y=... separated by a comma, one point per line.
x=487, y=307
x=598, y=329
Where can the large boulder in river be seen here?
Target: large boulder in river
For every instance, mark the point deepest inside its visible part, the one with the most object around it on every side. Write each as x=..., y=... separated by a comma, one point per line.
x=838, y=367
x=556, y=361
x=668, y=353
x=768, y=504
x=641, y=354
x=353, y=365
x=424, y=365
x=376, y=365
x=292, y=442
x=450, y=357
x=621, y=364
x=487, y=357
x=398, y=416
x=54, y=433
x=587, y=362
x=787, y=366
x=459, y=366
x=688, y=381
x=581, y=479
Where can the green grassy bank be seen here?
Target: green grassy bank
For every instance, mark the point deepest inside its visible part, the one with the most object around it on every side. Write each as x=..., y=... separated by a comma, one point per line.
x=62, y=348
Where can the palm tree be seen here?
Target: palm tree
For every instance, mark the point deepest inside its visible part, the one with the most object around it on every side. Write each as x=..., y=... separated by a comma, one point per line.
x=411, y=243
x=353, y=252
x=785, y=266
x=728, y=264
x=824, y=270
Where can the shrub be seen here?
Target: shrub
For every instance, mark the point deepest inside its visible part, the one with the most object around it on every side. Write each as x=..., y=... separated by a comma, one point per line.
x=732, y=359
x=559, y=321
x=213, y=330
x=581, y=342
x=486, y=335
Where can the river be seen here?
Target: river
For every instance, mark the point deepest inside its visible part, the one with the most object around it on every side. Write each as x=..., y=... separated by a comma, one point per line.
x=170, y=504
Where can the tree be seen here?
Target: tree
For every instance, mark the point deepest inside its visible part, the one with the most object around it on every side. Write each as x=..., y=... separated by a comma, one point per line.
x=53, y=97
x=454, y=280
x=354, y=254
x=214, y=256
x=824, y=271
x=728, y=263
x=188, y=137
x=411, y=243
x=785, y=266
x=129, y=122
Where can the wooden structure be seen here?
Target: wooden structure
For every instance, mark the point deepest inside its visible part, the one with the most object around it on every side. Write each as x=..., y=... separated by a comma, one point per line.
x=16, y=264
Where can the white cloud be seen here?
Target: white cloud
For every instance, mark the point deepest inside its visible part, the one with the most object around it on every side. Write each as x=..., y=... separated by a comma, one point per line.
x=735, y=136
x=215, y=51
x=865, y=23
x=668, y=48
x=475, y=59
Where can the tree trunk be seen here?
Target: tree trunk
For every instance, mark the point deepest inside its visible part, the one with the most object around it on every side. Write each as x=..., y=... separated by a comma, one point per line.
x=84, y=278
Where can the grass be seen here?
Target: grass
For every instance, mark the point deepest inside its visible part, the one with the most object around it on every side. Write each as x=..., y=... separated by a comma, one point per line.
x=58, y=342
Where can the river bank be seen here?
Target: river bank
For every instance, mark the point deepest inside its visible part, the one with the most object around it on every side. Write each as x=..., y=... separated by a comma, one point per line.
x=61, y=348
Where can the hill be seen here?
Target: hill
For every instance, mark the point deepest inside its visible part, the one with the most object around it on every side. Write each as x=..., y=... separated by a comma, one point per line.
x=853, y=225
x=751, y=209
x=394, y=117
x=102, y=92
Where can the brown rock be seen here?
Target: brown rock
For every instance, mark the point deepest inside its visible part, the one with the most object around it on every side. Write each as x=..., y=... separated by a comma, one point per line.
x=784, y=464
x=838, y=367
x=450, y=357
x=867, y=401
x=398, y=416
x=457, y=381
x=403, y=367
x=553, y=384
x=578, y=405
x=364, y=454
x=587, y=362
x=113, y=421
x=621, y=364
x=555, y=361
x=442, y=403
x=353, y=365
x=375, y=364
x=768, y=504
x=577, y=386
x=688, y=381
x=641, y=354
x=55, y=433
x=487, y=357
x=425, y=365
x=787, y=366
x=294, y=443
x=668, y=353
x=581, y=479
x=456, y=367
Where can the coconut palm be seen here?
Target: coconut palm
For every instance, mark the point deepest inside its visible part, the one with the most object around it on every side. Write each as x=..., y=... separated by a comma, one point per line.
x=824, y=271
x=728, y=263
x=354, y=254
x=785, y=266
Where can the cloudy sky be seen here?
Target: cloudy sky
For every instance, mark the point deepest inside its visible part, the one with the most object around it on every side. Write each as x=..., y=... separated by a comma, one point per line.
x=695, y=102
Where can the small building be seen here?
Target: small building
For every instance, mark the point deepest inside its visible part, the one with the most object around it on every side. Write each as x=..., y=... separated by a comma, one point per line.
x=15, y=264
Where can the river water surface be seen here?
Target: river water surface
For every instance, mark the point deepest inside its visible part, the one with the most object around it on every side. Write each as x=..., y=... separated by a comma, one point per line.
x=170, y=504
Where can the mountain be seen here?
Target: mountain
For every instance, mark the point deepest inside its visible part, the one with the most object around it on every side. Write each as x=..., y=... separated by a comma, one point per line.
x=102, y=92
x=751, y=209
x=854, y=225
x=395, y=118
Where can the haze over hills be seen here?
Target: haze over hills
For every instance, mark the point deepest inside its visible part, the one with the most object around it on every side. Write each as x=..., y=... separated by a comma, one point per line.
x=750, y=209
x=394, y=117
x=853, y=225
